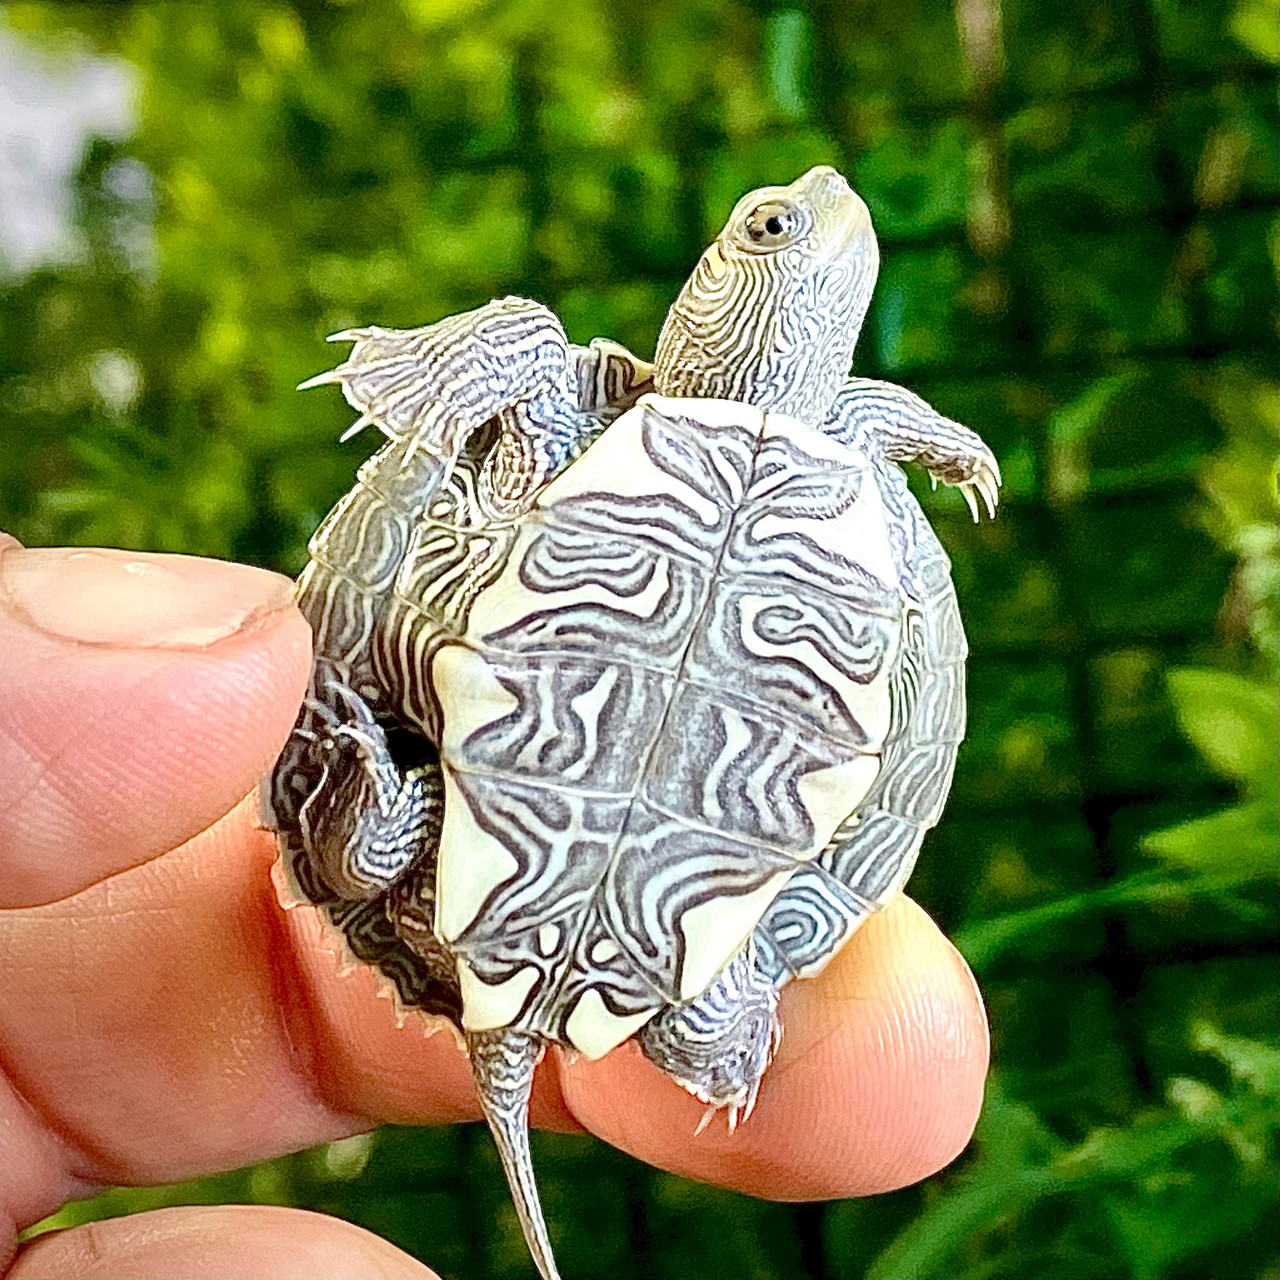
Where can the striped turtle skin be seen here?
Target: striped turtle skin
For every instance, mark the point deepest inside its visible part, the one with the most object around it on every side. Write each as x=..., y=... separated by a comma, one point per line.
x=637, y=687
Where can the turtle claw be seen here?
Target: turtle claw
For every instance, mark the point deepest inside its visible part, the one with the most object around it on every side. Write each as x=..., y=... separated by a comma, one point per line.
x=989, y=480
x=322, y=379
x=985, y=484
x=355, y=703
x=363, y=820
x=362, y=729
x=740, y=1114
x=364, y=420
x=322, y=712
x=737, y=1109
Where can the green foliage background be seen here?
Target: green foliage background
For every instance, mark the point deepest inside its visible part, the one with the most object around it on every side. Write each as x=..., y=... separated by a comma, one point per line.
x=1076, y=206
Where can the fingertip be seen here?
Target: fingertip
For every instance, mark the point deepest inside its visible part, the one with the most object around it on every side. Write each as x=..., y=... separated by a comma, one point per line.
x=116, y=749
x=211, y=1242
x=132, y=599
x=888, y=1059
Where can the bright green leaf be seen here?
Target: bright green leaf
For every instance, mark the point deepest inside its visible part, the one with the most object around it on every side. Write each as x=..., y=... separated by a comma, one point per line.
x=1256, y=24
x=1233, y=721
x=1240, y=840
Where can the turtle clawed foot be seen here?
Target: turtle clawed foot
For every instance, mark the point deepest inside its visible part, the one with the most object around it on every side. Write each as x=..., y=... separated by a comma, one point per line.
x=363, y=820
x=984, y=483
x=432, y=386
x=357, y=725
x=737, y=1109
x=719, y=1045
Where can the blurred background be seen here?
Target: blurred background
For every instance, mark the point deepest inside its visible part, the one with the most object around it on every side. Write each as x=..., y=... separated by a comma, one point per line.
x=1076, y=206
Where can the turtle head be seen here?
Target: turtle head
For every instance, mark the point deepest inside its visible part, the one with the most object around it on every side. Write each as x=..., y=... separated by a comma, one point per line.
x=773, y=308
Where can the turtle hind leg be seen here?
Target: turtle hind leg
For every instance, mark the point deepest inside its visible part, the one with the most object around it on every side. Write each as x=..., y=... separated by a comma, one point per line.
x=719, y=1045
x=352, y=818
x=503, y=1063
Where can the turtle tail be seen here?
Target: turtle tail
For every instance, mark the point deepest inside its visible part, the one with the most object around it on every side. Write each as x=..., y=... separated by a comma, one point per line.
x=503, y=1063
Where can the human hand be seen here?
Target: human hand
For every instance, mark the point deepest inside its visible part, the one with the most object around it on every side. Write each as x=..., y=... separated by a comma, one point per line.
x=162, y=1017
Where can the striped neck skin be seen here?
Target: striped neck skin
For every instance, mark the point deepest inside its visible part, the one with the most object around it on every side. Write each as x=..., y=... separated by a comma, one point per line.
x=772, y=311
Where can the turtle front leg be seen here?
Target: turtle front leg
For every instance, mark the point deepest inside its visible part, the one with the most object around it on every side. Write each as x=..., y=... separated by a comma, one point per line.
x=904, y=428
x=542, y=433
x=719, y=1045
x=363, y=820
x=434, y=386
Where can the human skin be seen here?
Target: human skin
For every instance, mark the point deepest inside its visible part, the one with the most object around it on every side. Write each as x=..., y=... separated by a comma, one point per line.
x=163, y=1017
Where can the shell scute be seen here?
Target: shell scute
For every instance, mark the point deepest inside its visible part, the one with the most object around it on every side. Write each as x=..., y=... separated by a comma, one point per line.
x=729, y=762
x=574, y=722
x=344, y=608
x=807, y=657
x=565, y=590
x=944, y=632
x=940, y=708
x=661, y=481
x=804, y=925
x=877, y=858
x=520, y=855
x=662, y=869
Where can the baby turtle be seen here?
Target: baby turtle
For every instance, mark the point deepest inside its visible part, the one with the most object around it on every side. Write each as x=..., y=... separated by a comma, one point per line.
x=636, y=687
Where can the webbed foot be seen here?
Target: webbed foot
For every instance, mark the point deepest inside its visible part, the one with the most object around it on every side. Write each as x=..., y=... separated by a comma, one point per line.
x=508, y=363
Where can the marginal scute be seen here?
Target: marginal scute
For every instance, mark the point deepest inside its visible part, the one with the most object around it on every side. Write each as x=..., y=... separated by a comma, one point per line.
x=593, y=1030
x=714, y=931
x=806, y=926
x=487, y=1006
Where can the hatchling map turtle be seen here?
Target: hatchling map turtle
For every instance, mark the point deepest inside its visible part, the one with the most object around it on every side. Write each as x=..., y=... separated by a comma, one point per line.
x=636, y=686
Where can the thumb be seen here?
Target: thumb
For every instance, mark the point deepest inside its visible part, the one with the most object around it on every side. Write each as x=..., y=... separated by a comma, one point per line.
x=141, y=696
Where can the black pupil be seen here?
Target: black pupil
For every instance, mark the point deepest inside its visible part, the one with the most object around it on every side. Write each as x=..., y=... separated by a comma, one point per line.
x=773, y=225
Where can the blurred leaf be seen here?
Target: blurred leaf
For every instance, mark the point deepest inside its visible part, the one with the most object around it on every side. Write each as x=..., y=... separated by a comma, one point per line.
x=1250, y=1062
x=1151, y=1162
x=1240, y=841
x=984, y=942
x=788, y=48
x=1233, y=721
x=1256, y=24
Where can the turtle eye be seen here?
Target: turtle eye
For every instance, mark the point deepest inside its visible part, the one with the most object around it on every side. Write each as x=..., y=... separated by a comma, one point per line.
x=773, y=224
